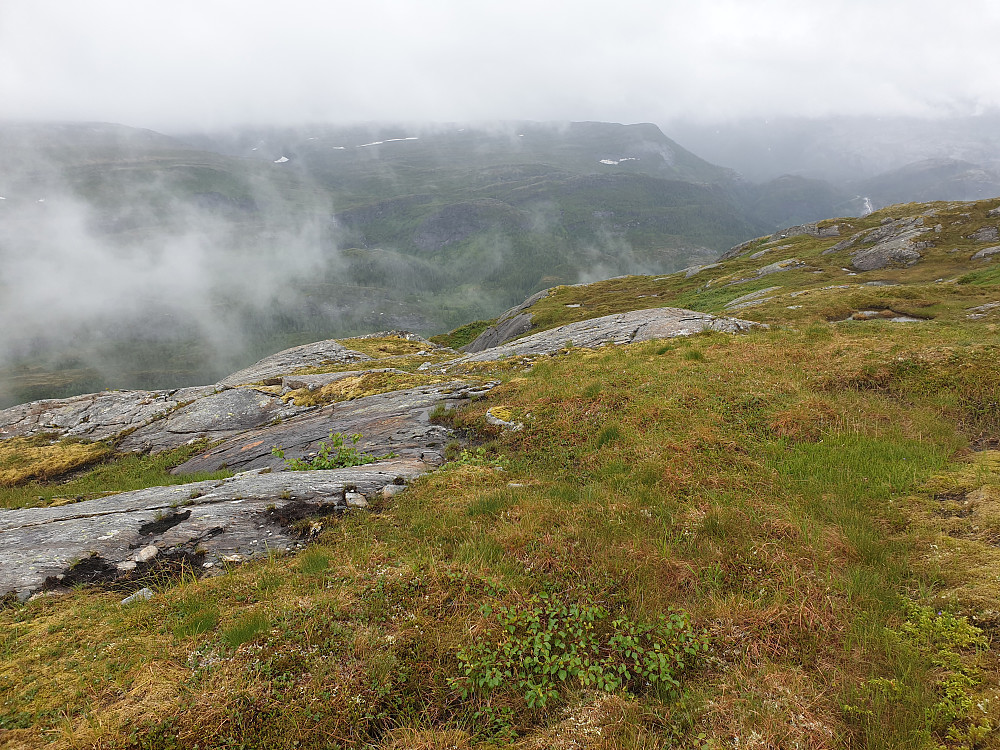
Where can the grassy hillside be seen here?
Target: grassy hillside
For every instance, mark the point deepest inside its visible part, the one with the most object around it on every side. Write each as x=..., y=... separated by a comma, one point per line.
x=780, y=539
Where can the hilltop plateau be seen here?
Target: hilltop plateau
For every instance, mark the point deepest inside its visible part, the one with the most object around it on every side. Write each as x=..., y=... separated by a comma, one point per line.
x=754, y=502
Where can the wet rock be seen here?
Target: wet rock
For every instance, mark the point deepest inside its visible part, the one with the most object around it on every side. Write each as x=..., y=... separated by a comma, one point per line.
x=245, y=515
x=290, y=360
x=396, y=422
x=213, y=417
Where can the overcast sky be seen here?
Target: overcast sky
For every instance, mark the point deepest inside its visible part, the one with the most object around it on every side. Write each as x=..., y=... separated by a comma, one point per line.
x=179, y=64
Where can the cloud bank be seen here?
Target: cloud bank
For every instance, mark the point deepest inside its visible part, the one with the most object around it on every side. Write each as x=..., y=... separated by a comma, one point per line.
x=186, y=64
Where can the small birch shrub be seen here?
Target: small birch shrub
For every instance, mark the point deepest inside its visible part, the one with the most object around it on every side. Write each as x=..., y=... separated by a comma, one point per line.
x=540, y=649
x=335, y=454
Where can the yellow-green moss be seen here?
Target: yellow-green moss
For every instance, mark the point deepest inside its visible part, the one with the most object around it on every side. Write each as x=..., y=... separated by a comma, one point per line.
x=40, y=457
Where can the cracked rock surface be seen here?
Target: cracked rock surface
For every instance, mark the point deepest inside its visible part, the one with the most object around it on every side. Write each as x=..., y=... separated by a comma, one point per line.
x=217, y=416
x=214, y=521
x=396, y=422
x=96, y=416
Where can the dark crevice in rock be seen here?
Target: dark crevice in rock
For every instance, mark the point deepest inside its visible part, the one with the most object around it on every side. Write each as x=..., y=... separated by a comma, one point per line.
x=160, y=525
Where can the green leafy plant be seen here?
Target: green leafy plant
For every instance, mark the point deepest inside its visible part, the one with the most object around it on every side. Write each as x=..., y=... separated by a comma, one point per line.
x=335, y=454
x=479, y=457
x=540, y=649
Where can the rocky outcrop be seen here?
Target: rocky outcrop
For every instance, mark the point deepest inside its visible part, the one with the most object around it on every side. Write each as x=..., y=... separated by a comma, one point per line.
x=212, y=417
x=208, y=523
x=511, y=324
x=96, y=416
x=893, y=243
x=621, y=328
x=789, y=264
x=298, y=357
x=986, y=252
x=397, y=422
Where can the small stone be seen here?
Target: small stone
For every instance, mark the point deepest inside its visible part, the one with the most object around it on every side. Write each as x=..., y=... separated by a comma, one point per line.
x=126, y=565
x=141, y=595
x=391, y=490
x=208, y=565
x=23, y=595
x=147, y=553
x=355, y=500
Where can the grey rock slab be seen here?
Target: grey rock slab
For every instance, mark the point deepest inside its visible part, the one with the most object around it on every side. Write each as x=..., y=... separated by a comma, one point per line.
x=288, y=361
x=240, y=516
x=396, y=422
x=752, y=296
x=897, y=251
x=620, y=328
x=213, y=417
x=695, y=270
x=890, y=229
x=96, y=416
